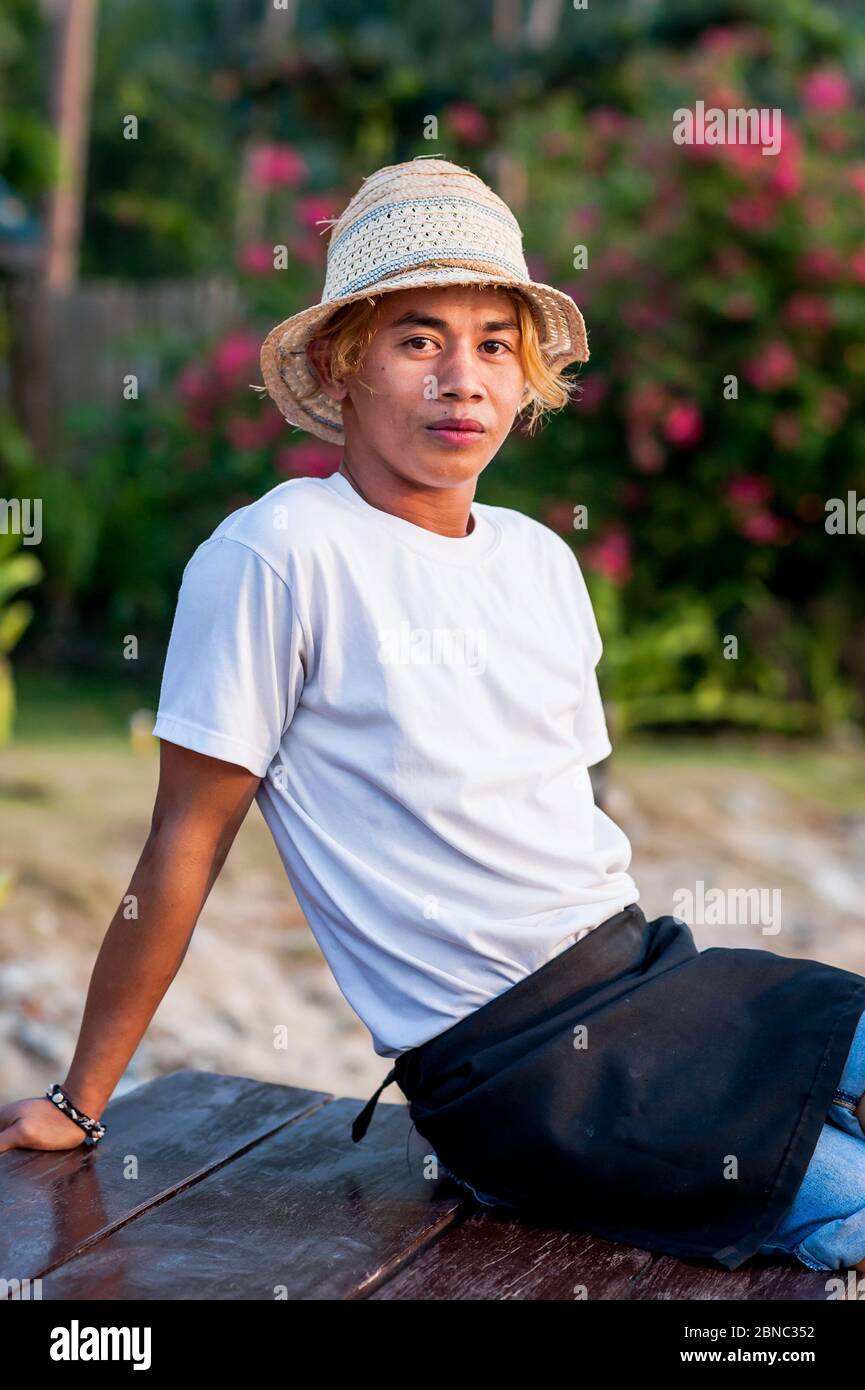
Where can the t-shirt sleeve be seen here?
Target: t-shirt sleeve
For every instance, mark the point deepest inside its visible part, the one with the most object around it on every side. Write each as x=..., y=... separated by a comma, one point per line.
x=590, y=725
x=234, y=667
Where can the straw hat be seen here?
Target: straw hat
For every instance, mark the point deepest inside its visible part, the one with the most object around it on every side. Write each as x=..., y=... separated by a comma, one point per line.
x=426, y=222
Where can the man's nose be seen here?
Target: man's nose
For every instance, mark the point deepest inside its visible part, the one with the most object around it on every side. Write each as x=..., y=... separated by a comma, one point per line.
x=458, y=373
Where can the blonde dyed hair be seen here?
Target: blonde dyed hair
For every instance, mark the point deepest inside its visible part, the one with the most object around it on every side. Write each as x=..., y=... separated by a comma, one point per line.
x=352, y=328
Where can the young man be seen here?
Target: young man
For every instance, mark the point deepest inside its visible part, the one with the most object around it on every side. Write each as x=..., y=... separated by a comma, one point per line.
x=405, y=680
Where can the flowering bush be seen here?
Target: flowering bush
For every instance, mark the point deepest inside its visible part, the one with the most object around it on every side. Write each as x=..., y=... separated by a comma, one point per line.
x=722, y=405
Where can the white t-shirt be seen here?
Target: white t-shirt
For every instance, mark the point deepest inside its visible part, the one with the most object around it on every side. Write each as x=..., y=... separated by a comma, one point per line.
x=422, y=710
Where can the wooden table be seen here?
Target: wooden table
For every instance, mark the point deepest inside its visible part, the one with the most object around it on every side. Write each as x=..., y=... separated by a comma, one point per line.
x=223, y=1187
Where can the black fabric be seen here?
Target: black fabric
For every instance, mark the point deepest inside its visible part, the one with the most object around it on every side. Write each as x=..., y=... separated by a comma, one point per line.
x=694, y=1060
x=360, y=1124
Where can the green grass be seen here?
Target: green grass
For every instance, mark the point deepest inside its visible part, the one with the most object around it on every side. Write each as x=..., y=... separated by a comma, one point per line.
x=815, y=771
x=77, y=709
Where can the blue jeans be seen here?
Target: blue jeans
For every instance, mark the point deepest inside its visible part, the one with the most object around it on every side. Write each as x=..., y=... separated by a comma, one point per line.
x=824, y=1228
x=825, y=1225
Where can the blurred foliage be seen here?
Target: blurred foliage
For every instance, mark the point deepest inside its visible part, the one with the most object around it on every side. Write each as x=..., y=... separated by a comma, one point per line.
x=18, y=569
x=27, y=153
x=704, y=263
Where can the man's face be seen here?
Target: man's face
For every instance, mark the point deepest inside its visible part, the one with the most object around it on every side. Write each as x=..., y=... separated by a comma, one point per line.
x=449, y=355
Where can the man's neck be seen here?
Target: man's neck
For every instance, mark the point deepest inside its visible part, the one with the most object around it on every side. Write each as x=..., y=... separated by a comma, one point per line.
x=446, y=511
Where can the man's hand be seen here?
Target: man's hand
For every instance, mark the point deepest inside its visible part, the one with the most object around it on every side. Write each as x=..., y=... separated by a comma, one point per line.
x=37, y=1124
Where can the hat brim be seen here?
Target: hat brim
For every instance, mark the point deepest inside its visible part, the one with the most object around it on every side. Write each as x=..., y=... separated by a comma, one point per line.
x=289, y=378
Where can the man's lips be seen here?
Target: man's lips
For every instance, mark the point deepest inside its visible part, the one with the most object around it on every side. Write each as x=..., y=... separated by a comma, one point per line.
x=458, y=426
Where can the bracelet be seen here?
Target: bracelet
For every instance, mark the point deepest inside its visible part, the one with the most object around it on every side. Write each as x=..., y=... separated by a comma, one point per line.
x=93, y=1128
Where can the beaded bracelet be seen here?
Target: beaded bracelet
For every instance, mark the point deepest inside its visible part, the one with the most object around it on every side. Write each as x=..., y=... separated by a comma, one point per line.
x=93, y=1128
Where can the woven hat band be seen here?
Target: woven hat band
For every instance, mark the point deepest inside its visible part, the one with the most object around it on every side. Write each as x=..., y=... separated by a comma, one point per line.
x=403, y=234
x=390, y=274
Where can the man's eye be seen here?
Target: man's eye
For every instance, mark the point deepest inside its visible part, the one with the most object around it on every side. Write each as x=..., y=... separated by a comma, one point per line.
x=495, y=342
x=412, y=342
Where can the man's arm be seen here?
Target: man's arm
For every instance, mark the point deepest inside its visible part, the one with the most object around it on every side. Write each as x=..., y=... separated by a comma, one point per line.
x=200, y=805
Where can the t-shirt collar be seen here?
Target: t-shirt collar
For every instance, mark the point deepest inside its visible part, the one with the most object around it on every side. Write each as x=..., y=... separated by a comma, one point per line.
x=458, y=550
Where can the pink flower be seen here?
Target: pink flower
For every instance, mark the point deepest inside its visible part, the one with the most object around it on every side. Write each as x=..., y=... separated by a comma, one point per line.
x=742, y=156
x=560, y=517
x=748, y=490
x=314, y=210
x=194, y=384
x=761, y=526
x=242, y=432
x=809, y=311
x=721, y=41
x=611, y=555
x=645, y=452
x=718, y=39
x=606, y=123
x=277, y=165
x=236, y=356
x=616, y=261
x=856, y=178
x=643, y=316
x=256, y=258
x=467, y=123
x=257, y=432
x=308, y=249
x=683, y=425
x=826, y=89
x=771, y=368
x=271, y=425
x=793, y=145
x=755, y=212
x=745, y=156
x=786, y=180
x=309, y=459
x=857, y=264
x=586, y=219
x=821, y=263
x=581, y=293
x=832, y=407
x=646, y=402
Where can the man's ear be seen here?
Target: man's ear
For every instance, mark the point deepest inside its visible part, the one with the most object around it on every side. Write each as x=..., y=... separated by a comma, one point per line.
x=318, y=353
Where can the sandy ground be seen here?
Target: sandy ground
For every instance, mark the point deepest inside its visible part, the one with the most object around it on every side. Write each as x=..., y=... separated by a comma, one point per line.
x=74, y=822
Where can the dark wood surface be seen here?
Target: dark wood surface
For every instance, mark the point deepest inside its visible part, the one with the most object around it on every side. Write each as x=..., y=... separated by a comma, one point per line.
x=223, y=1187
